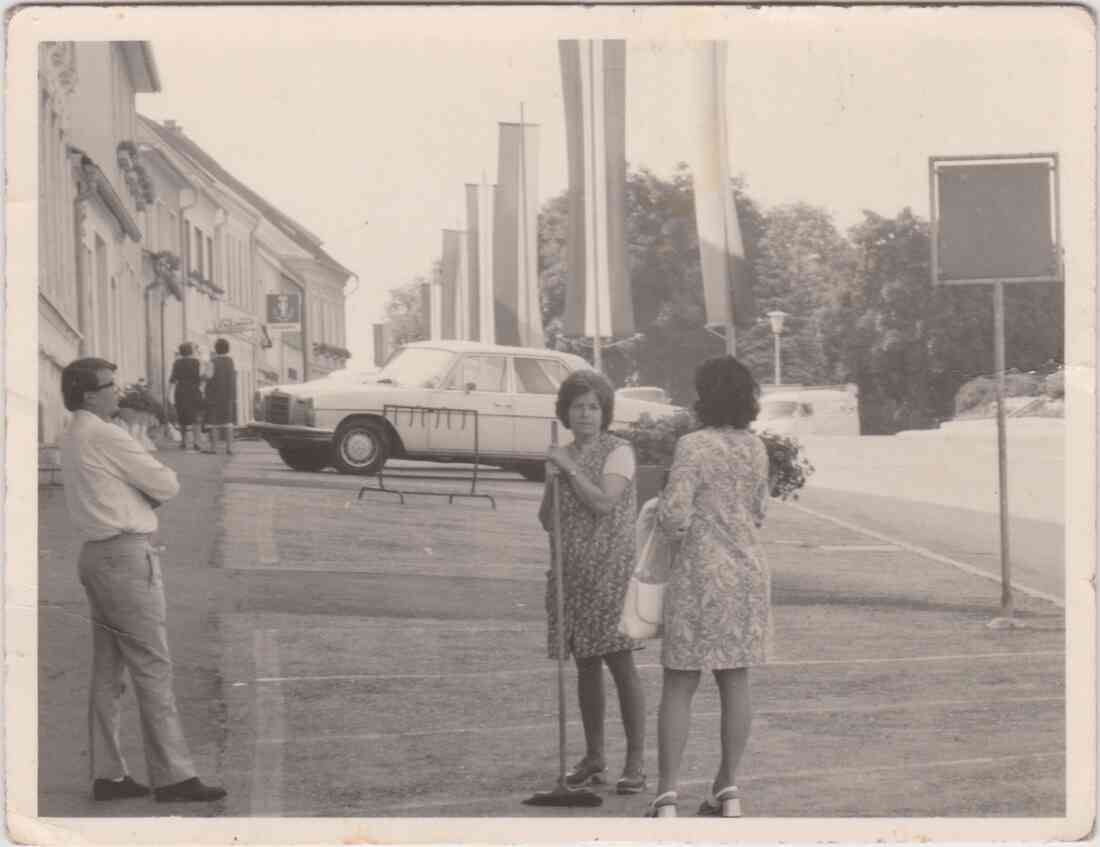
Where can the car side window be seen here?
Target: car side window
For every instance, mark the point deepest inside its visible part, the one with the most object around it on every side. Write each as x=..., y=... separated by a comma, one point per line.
x=537, y=376
x=486, y=373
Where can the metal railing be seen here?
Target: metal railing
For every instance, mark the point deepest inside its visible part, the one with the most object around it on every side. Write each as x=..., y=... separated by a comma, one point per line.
x=453, y=417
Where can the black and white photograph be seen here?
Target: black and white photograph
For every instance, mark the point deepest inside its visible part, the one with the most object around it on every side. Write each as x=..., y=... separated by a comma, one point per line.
x=550, y=423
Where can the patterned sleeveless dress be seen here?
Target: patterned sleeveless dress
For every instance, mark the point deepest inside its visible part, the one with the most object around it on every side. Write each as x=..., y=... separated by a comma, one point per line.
x=597, y=561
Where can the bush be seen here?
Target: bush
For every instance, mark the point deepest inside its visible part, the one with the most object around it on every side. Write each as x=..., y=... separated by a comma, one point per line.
x=654, y=441
x=982, y=390
x=1054, y=385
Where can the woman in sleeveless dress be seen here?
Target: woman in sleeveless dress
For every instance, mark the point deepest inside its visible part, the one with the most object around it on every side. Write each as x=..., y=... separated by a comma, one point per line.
x=596, y=474
x=717, y=614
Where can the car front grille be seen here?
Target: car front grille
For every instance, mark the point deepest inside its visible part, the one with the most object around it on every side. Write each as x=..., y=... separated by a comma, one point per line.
x=278, y=409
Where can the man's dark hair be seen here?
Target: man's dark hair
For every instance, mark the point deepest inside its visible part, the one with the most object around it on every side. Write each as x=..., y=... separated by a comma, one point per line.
x=221, y=346
x=727, y=393
x=80, y=377
x=581, y=382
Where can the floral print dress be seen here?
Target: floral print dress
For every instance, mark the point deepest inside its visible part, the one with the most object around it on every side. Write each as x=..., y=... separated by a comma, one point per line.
x=718, y=601
x=597, y=561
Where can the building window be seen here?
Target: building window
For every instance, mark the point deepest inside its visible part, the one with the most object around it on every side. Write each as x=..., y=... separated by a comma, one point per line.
x=209, y=259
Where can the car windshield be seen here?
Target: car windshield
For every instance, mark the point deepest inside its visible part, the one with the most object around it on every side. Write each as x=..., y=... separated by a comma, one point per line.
x=779, y=409
x=422, y=367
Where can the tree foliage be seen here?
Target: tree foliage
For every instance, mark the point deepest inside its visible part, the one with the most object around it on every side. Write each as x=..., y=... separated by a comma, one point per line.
x=861, y=307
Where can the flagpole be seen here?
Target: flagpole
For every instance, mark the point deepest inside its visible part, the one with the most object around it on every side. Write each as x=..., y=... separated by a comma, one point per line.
x=524, y=335
x=597, y=353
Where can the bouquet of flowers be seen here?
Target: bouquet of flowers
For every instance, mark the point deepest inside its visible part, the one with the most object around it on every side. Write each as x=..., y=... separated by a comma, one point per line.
x=654, y=441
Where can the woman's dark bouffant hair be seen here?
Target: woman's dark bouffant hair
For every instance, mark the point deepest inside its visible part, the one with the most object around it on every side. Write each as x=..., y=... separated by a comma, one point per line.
x=581, y=382
x=727, y=393
x=221, y=346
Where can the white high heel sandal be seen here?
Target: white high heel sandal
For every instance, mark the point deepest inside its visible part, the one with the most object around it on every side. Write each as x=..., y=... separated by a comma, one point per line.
x=725, y=804
x=663, y=806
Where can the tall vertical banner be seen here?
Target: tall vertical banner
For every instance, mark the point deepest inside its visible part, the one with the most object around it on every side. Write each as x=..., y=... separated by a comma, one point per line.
x=598, y=300
x=452, y=271
x=727, y=274
x=479, y=241
x=517, y=310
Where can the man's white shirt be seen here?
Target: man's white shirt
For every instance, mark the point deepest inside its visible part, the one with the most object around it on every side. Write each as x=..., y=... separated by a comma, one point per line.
x=105, y=472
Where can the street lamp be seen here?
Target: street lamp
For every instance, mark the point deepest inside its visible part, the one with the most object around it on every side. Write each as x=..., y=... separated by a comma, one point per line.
x=776, y=318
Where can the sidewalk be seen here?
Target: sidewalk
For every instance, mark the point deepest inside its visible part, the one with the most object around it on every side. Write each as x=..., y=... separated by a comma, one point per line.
x=192, y=584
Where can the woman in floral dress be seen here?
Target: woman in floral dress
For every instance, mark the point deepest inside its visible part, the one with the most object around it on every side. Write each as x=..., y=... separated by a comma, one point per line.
x=717, y=614
x=598, y=509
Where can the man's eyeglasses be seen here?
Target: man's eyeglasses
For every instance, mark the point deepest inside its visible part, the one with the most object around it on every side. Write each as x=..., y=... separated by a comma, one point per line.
x=110, y=384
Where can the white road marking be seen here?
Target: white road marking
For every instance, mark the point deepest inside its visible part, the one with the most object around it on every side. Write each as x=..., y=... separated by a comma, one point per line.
x=267, y=761
x=929, y=554
x=757, y=713
x=872, y=660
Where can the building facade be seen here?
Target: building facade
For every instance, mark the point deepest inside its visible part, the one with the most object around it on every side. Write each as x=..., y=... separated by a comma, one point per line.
x=145, y=241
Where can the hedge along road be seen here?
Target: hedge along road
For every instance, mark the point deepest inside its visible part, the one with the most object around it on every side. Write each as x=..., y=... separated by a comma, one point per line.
x=380, y=659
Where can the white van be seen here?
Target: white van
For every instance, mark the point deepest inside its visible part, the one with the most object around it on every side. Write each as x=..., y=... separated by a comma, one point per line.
x=809, y=410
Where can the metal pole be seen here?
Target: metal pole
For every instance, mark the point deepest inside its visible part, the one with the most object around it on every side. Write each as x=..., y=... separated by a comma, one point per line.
x=1002, y=462
x=778, y=366
x=559, y=605
x=731, y=340
x=593, y=215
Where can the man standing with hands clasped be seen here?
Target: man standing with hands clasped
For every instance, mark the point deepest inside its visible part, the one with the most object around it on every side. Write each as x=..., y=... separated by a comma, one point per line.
x=112, y=486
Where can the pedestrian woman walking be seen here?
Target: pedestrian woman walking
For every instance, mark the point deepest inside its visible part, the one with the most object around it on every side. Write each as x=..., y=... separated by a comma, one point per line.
x=186, y=377
x=221, y=397
x=597, y=534
x=717, y=614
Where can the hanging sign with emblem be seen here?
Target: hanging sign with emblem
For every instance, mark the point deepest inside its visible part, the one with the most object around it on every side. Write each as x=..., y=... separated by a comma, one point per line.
x=284, y=311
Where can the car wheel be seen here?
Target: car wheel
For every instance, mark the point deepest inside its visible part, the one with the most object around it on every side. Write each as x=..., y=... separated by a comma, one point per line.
x=533, y=471
x=361, y=446
x=305, y=458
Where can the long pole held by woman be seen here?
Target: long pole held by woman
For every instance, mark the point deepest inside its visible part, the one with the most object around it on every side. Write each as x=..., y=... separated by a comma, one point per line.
x=597, y=508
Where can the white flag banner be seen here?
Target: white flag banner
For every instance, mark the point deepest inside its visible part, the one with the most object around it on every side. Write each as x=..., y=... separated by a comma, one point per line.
x=479, y=240
x=517, y=310
x=598, y=299
x=727, y=274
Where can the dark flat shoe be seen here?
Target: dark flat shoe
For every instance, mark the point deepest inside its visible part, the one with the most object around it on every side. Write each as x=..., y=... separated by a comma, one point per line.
x=190, y=790
x=586, y=772
x=630, y=784
x=108, y=789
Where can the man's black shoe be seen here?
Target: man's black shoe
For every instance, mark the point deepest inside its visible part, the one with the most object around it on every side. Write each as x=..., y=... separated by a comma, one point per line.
x=189, y=791
x=108, y=789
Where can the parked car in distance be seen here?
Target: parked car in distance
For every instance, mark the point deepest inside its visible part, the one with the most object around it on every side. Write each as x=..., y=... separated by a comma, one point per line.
x=651, y=393
x=446, y=401
x=809, y=410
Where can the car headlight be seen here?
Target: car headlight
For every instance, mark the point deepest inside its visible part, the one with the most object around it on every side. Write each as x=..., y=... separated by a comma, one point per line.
x=309, y=412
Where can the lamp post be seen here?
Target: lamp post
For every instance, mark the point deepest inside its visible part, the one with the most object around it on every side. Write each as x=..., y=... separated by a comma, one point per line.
x=776, y=318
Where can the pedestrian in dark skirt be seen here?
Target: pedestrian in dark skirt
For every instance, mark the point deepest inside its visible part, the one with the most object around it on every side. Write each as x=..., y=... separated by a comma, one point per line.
x=187, y=380
x=221, y=397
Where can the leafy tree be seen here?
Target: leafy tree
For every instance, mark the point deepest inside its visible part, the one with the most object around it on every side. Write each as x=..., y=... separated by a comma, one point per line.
x=408, y=319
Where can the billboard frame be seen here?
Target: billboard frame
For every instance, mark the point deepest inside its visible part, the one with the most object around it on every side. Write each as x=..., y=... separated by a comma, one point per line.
x=934, y=164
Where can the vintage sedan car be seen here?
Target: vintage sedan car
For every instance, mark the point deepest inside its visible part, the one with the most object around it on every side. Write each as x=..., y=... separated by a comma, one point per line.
x=446, y=401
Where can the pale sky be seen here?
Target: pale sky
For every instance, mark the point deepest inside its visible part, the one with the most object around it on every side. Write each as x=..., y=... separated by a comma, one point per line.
x=366, y=136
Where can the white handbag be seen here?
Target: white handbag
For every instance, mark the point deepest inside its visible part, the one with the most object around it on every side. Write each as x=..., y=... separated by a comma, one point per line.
x=643, y=607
